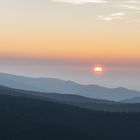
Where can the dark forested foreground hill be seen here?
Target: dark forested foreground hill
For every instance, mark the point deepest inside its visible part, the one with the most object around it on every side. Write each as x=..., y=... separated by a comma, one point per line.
x=24, y=118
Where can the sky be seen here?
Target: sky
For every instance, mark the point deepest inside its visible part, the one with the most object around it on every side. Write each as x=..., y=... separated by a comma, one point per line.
x=66, y=38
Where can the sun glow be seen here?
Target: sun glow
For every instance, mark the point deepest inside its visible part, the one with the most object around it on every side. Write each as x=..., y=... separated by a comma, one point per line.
x=98, y=69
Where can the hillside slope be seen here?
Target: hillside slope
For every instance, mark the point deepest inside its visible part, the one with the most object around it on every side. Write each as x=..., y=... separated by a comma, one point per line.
x=74, y=100
x=27, y=118
x=66, y=87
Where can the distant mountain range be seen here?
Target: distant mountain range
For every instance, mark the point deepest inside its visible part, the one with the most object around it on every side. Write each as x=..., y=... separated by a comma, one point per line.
x=66, y=87
x=28, y=115
x=73, y=100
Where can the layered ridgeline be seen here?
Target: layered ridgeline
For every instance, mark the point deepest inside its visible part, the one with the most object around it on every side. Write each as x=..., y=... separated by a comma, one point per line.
x=73, y=100
x=131, y=100
x=26, y=116
x=66, y=87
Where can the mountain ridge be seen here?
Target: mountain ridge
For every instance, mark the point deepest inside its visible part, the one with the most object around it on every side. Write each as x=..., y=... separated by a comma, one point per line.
x=72, y=100
x=66, y=87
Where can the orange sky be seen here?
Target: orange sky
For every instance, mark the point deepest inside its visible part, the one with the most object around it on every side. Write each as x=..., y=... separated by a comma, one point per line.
x=49, y=29
x=88, y=45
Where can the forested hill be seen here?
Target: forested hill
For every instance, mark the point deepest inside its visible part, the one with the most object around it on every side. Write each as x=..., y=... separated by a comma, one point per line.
x=32, y=119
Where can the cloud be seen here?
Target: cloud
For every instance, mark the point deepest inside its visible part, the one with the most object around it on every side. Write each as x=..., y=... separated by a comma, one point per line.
x=132, y=1
x=82, y=1
x=103, y=7
x=132, y=7
x=104, y=18
x=119, y=15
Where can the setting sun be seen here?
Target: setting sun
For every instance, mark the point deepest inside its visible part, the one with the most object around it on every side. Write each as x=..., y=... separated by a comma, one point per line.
x=98, y=69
